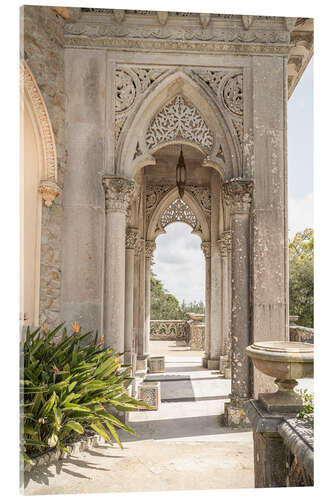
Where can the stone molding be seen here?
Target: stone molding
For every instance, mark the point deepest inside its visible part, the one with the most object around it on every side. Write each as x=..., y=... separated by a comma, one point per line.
x=118, y=193
x=149, y=249
x=224, y=244
x=131, y=238
x=48, y=187
x=206, y=248
x=179, y=119
x=238, y=194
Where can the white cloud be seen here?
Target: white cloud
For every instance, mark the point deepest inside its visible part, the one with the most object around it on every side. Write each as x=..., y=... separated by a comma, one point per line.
x=180, y=264
x=300, y=214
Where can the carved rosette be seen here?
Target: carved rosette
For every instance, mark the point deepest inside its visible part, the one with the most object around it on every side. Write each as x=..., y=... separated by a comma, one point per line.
x=149, y=249
x=139, y=246
x=131, y=238
x=118, y=193
x=205, y=247
x=233, y=94
x=224, y=244
x=238, y=194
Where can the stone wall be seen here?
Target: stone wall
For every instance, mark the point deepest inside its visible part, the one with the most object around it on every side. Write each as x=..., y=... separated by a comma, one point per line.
x=301, y=334
x=42, y=49
x=169, y=330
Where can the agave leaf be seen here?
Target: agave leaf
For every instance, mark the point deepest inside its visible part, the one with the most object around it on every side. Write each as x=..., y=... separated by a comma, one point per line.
x=47, y=407
x=100, y=429
x=75, y=426
x=114, y=433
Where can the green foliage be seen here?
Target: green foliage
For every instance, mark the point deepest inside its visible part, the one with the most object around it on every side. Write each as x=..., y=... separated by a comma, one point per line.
x=69, y=384
x=308, y=411
x=164, y=305
x=301, y=277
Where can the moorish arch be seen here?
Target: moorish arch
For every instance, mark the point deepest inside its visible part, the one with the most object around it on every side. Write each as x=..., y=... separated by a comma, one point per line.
x=39, y=182
x=179, y=104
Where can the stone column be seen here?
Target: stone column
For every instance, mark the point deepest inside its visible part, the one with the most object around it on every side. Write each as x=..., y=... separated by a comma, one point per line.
x=118, y=193
x=131, y=239
x=205, y=247
x=140, y=303
x=224, y=245
x=149, y=250
x=238, y=194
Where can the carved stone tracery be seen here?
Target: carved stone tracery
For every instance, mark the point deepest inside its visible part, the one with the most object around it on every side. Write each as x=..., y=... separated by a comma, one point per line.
x=206, y=249
x=179, y=211
x=224, y=244
x=131, y=238
x=233, y=94
x=150, y=247
x=179, y=119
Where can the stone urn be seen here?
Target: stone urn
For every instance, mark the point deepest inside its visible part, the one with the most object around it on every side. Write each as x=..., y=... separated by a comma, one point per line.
x=196, y=317
x=286, y=362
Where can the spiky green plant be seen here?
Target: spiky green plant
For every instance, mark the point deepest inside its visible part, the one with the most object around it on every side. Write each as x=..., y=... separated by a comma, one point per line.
x=70, y=383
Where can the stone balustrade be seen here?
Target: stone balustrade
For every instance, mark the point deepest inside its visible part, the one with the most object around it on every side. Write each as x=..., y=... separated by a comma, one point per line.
x=169, y=330
x=301, y=334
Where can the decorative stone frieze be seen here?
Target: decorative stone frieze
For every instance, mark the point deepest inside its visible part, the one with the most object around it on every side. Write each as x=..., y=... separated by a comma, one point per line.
x=225, y=243
x=203, y=197
x=162, y=17
x=118, y=193
x=238, y=194
x=169, y=330
x=247, y=21
x=206, y=248
x=179, y=119
x=204, y=19
x=149, y=249
x=154, y=193
x=119, y=15
x=131, y=238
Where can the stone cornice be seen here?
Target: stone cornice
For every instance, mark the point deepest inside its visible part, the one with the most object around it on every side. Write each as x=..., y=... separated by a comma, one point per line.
x=238, y=194
x=118, y=193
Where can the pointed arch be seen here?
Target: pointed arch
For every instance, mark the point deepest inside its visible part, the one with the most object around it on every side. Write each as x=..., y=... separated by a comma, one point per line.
x=195, y=216
x=178, y=83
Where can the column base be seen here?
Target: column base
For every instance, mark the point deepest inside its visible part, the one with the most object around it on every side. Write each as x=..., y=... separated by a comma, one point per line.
x=211, y=364
x=235, y=414
x=142, y=363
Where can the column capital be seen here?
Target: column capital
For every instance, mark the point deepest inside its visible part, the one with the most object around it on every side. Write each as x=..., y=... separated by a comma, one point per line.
x=224, y=244
x=205, y=247
x=139, y=246
x=131, y=238
x=118, y=193
x=149, y=248
x=238, y=194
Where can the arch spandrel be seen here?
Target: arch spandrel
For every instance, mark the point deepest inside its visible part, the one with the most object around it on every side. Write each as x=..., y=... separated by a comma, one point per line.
x=193, y=215
x=133, y=136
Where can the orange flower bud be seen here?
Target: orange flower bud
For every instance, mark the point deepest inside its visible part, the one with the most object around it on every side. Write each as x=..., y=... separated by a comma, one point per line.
x=76, y=327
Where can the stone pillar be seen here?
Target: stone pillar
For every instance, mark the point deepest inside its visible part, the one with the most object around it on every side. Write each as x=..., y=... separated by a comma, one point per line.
x=238, y=194
x=140, y=306
x=149, y=250
x=205, y=247
x=131, y=239
x=224, y=245
x=118, y=193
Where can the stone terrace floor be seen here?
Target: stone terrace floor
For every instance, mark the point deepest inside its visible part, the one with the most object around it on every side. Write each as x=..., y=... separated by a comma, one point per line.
x=182, y=446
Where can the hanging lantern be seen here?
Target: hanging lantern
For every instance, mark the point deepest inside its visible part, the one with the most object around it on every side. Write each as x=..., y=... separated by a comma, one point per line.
x=181, y=174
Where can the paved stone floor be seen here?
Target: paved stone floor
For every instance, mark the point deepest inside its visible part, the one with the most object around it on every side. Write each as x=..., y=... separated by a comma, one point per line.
x=182, y=446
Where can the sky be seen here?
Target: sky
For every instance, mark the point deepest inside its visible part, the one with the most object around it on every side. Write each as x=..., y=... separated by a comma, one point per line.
x=179, y=261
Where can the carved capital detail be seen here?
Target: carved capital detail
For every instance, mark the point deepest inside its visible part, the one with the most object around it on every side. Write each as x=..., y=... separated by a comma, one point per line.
x=238, y=194
x=224, y=244
x=139, y=246
x=118, y=193
x=131, y=238
x=205, y=247
x=149, y=248
x=49, y=191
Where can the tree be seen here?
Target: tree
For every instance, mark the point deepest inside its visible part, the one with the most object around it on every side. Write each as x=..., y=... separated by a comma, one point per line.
x=301, y=277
